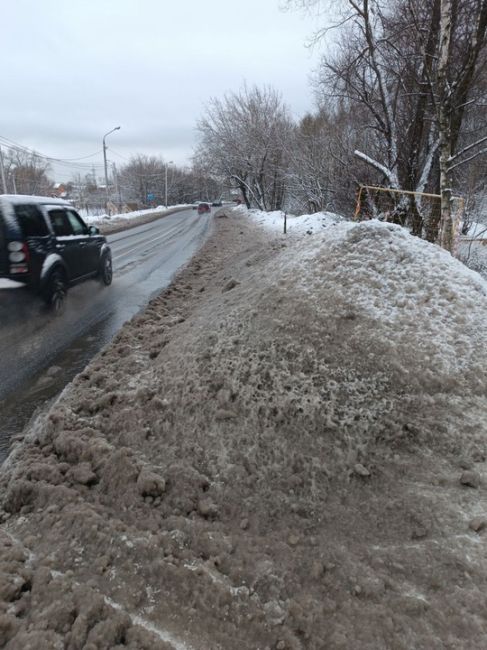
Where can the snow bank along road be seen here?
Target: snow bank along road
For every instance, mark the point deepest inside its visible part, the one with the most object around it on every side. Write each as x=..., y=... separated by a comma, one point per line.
x=285, y=451
x=145, y=258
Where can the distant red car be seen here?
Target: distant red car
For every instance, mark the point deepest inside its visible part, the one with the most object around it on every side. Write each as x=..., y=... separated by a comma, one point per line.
x=203, y=207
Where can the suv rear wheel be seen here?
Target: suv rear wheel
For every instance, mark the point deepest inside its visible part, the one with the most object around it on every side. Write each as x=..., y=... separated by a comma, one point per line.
x=55, y=292
x=106, y=272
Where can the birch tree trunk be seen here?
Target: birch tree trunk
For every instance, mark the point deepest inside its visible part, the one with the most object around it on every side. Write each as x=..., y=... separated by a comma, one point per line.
x=444, y=123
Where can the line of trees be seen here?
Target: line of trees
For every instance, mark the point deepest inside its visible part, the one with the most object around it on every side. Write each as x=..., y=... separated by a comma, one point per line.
x=143, y=180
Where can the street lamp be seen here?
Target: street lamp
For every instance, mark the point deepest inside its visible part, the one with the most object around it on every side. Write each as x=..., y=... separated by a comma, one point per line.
x=165, y=183
x=117, y=128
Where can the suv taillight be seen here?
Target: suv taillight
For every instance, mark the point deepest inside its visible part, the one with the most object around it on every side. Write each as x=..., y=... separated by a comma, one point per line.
x=18, y=252
x=18, y=255
x=15, y=246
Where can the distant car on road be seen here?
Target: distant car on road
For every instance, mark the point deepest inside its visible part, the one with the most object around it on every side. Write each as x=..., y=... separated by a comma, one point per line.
x=46, y=246
x=204, y=207
x=217, y=204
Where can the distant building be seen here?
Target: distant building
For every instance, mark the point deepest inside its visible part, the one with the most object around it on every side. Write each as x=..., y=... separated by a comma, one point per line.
x=62, y=190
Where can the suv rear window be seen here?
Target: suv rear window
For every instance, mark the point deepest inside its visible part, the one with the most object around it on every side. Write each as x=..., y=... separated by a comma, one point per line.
x=31, y=221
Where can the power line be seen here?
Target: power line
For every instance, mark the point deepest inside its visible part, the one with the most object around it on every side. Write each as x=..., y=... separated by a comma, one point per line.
x=118, y=154
x=73, y=165
x=11, y=144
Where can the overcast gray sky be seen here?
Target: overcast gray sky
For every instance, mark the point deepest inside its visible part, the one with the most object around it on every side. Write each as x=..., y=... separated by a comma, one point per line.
x=73, y=70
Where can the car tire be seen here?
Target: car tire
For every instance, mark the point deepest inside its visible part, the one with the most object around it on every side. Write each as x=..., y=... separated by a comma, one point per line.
x=55, y=292
x=105, y=273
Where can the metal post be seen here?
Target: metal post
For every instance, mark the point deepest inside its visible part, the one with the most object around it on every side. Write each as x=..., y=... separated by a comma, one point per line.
x=2, y=168
x=165, y=188
x=358, y=204
x=106, y=172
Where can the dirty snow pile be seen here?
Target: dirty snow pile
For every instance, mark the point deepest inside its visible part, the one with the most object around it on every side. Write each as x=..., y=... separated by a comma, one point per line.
x=286, y=450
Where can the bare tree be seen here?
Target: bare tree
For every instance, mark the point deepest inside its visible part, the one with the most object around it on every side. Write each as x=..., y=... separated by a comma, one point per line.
x=245, y=138
x=143, y=177
x=27, y=173
x=322, y=172
x=379, y=68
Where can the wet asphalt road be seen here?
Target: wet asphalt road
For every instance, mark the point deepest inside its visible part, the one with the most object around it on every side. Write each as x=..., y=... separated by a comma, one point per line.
x=40, y=353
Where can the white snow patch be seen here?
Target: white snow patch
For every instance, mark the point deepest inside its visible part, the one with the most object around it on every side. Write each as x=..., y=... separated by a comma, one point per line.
x=476, y=231
x=10, y=284
x=31, y=557
x=416, y=595
x=218, y=578
x=165, y=636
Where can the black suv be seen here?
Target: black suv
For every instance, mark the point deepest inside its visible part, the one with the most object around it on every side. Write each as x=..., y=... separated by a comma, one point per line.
x=46, y=245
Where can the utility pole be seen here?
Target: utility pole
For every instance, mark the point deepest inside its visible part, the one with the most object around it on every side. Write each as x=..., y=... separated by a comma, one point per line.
x=165, y=183
x=2, y=169
x=80, y=192
x=117, y=128
x=117, y=186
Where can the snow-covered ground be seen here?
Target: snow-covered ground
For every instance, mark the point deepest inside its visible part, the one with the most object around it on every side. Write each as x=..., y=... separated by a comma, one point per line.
x=103, y=218
x=471, y=248
x=477, y=231
x=306, y=223
x=286, y=450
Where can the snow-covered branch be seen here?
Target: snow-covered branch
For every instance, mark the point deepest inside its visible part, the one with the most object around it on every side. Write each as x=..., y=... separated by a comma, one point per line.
x=466, y=160
x=427, y=165
x=468, y=148
x=388, y=173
